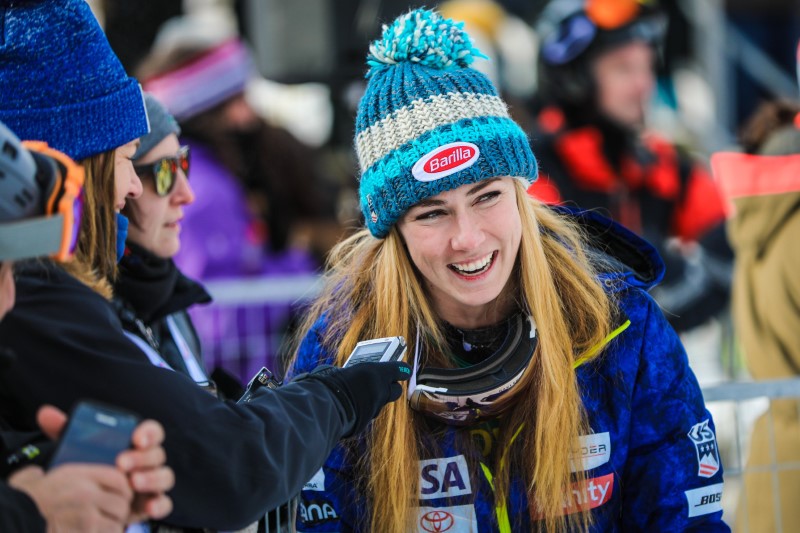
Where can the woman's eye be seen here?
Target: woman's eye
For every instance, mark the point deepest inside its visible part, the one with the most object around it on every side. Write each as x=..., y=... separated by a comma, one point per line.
x=429, y=215
x=488, y=197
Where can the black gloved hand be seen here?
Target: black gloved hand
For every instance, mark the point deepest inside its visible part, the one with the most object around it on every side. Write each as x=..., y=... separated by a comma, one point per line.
x=363, y=389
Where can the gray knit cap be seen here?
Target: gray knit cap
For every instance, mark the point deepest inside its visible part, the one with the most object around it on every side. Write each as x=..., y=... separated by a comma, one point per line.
x=161, y=125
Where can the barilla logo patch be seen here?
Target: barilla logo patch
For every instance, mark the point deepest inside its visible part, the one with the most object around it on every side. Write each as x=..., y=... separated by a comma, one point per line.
x=456, y=519
x=593, y=450
x=705, y=443
x=445, y=160
x=705, y=500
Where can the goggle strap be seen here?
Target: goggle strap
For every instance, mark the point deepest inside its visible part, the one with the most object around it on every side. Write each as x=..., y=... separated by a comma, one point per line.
x=65, y=211
x=69, y=178
x=426, y=388
x=412, y=383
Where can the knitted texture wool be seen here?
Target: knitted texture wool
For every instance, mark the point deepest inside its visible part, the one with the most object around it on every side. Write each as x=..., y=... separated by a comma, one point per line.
x=162, y=124
x=429, y=123
x=60, y=81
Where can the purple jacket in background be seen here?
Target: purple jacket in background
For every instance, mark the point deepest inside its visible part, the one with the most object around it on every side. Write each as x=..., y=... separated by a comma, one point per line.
x=222, y=239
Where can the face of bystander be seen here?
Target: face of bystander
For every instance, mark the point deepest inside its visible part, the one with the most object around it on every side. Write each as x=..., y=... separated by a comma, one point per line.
x=156, y=219
x=625, y=81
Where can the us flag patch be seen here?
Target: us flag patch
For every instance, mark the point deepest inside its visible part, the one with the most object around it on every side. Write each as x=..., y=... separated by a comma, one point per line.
x=705, y=443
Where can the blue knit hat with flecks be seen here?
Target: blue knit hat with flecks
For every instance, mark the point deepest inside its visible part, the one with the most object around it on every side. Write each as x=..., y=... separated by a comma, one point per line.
x=61, y=83
x=429, y=123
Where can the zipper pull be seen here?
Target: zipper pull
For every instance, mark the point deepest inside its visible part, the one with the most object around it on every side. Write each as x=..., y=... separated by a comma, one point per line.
x=148, y=334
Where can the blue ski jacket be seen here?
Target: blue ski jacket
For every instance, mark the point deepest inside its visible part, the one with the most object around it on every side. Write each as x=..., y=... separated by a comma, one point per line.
x=651, y=456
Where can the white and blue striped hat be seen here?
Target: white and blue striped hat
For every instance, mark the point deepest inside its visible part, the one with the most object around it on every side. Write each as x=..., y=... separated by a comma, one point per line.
x=429, y=123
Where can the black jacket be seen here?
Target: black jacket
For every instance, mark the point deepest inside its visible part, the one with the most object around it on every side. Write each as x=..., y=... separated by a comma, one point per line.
x=18, y=512
x=232, y=462
x=151, y=297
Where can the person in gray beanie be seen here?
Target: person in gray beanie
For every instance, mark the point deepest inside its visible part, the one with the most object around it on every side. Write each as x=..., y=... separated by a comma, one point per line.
x=150, y=294
x=232, y=462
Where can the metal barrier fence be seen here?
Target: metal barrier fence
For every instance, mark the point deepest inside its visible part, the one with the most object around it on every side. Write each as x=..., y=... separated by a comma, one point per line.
x=745, y=412
x=244, y=328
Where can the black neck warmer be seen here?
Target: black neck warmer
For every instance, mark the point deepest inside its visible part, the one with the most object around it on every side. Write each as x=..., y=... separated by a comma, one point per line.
x=153, y=286
x=471, y=346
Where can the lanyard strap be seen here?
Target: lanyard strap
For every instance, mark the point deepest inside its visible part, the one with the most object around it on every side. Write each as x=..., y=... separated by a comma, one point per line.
x=156, y=359
x=195, y=371
x=501, y=509
x=594, y=349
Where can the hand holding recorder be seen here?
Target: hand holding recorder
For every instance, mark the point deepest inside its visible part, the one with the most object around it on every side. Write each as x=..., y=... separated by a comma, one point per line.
x=369, y=380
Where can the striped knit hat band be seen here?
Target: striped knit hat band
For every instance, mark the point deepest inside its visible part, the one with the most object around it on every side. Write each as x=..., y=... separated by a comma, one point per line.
x=214, y=76
x=428, y=123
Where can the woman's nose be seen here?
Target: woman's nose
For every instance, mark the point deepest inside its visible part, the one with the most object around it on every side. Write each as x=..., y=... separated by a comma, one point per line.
x=183, y=192
x=468, y=233
x=135, y=188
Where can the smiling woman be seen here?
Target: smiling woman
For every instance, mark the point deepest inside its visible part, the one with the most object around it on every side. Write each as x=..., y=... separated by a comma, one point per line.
x=530, y=334
x=464, y=243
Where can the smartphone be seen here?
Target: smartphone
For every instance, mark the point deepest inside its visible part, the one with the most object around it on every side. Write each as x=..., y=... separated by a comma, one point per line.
x=377, y=350
x=95, y=433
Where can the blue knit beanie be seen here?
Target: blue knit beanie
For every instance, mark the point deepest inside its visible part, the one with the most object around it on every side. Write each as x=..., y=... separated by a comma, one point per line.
x=429, y=123
x=60, y=82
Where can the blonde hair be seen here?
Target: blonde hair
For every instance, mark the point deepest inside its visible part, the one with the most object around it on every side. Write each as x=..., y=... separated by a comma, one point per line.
x=373, y=290
x=95, y=261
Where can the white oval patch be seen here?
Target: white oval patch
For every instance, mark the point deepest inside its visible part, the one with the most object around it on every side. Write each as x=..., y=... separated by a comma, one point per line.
x=445, y=160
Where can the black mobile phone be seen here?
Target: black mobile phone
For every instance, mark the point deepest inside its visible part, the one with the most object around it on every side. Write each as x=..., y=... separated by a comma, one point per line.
x=95, y=433
x=377, y=350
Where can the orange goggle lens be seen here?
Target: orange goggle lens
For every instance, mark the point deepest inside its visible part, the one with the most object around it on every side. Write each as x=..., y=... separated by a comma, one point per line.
x=611, y=14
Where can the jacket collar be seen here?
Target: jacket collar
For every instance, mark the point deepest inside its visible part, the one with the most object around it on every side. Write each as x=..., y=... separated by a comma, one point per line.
x=617, y=252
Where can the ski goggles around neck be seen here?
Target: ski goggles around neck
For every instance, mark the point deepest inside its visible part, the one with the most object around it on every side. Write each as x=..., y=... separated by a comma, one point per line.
x=464, y=396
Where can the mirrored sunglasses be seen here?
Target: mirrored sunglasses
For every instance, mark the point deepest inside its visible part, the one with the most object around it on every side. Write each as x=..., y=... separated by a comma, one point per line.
x=164, y=171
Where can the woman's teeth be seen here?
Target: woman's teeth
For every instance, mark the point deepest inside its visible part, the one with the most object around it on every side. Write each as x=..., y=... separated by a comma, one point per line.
x=473, y=267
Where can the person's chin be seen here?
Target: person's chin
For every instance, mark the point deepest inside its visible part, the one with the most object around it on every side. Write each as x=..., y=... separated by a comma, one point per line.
x=172, y=250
